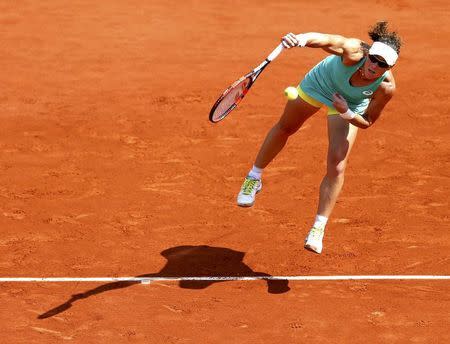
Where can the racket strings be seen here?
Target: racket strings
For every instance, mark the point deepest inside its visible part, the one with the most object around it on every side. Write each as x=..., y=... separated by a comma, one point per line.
x=231, y=98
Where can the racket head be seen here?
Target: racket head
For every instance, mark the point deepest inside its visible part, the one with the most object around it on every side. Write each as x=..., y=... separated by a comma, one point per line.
x=230, y=98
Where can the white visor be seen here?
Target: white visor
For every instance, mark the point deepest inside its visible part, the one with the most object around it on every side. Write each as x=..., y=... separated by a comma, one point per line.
x=385, y=51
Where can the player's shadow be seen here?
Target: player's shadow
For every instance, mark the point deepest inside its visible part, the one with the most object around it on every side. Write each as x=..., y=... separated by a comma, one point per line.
x=185, y=261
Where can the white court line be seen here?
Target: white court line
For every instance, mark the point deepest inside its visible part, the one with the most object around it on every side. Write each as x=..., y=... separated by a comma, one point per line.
x=147, y=280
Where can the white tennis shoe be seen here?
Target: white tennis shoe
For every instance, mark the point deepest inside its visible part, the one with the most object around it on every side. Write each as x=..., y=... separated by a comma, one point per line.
x=313, y=241
x=249, y=189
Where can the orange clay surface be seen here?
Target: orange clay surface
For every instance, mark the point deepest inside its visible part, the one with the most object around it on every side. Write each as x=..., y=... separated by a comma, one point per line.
x=109, y=167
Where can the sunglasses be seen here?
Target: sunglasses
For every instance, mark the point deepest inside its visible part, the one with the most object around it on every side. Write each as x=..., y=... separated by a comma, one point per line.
x=380, y=63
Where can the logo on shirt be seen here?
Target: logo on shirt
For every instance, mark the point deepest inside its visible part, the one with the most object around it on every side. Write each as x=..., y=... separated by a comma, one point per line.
x=367, y=93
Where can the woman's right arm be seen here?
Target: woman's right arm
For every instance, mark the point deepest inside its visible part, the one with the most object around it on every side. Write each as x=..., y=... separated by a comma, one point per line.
x=349, y=48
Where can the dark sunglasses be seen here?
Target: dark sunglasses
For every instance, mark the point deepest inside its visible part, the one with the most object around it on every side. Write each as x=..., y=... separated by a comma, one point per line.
x=380, y=63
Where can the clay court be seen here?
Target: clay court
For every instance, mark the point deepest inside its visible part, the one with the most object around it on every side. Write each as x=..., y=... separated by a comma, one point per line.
x=110, y=168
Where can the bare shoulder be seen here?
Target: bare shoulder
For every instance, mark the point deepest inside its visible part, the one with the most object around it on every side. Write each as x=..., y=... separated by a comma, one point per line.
x=353, y=44
x=353, y=51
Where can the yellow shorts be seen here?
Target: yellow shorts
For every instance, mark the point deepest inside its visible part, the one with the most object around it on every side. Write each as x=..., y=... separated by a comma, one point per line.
x=311, y=101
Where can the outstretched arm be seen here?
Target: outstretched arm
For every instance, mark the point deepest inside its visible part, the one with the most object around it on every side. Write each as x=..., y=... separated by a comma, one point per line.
x=349, y=48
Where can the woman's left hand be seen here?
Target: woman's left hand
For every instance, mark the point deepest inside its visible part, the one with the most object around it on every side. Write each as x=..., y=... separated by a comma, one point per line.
x=339, y=103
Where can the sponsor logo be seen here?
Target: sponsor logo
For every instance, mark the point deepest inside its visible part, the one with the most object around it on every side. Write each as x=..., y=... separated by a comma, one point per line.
x=367, y=93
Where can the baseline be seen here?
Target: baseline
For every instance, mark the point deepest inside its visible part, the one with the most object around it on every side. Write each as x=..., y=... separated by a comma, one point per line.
x=148, y=280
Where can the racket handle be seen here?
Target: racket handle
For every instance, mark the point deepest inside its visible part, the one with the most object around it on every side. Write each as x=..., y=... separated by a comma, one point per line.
x=273, y=55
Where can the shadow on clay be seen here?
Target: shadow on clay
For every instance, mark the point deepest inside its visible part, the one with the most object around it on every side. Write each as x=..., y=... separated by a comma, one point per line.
x=185, y=261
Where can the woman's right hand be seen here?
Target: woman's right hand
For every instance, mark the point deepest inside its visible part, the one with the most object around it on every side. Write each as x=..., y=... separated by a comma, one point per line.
x=289, y=41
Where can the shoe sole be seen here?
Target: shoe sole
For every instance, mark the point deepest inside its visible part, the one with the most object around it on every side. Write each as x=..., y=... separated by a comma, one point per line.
x=312, y=249
x=245, y=205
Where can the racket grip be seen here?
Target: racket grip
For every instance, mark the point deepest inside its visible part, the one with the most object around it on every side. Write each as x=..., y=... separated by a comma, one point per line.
x=274, y=54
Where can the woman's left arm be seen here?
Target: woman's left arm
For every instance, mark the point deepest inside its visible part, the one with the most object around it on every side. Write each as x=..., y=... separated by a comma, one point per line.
x=380, y=98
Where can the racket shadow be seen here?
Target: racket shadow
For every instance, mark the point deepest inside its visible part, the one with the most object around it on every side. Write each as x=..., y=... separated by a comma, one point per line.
x=186, y=261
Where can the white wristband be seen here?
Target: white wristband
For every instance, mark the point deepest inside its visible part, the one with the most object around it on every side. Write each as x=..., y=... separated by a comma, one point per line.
x=349, y=114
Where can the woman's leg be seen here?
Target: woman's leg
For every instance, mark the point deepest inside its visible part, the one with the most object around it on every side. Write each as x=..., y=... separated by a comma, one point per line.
x=295, y=113
x=341, y=136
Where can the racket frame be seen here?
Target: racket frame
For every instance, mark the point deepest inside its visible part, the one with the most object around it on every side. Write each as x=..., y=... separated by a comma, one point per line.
x=252, y=76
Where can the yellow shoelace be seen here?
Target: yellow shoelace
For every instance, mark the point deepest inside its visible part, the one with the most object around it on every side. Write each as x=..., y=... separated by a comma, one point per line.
x=249, y=185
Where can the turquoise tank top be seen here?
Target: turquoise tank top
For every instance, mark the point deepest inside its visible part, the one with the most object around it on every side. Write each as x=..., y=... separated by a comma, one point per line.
x=330, y=76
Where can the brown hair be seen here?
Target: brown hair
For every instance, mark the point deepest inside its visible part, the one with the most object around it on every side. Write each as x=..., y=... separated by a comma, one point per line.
x=380, y=33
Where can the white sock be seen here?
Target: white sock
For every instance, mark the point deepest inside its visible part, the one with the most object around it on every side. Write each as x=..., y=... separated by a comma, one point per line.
x=255, y=172
x=320, y=222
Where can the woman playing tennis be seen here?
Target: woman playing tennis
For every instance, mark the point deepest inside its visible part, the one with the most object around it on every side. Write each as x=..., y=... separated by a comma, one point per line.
x=355, y=83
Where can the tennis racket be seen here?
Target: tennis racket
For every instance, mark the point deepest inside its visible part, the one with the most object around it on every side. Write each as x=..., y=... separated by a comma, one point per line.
x=231, y=97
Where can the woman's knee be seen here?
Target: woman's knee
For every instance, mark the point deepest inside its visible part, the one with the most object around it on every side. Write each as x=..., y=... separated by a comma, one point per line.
x=337, y=162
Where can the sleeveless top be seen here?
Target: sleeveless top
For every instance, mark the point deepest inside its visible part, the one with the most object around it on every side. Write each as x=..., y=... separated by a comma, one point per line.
x=330, y=76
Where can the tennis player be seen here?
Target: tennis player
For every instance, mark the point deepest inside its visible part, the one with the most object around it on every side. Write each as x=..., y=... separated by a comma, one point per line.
x=354, y=83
